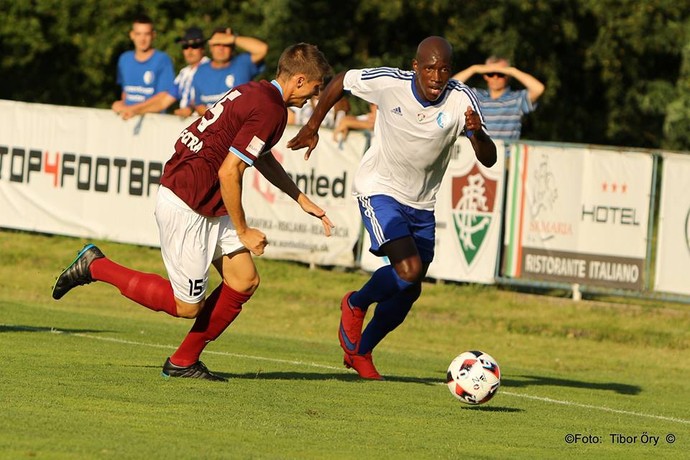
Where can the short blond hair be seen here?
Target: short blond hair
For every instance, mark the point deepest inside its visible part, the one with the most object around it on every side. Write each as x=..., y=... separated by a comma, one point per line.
x=494, y=59
x=303, y=58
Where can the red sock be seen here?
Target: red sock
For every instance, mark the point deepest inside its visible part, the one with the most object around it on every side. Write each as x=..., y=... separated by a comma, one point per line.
x=221, y=309
x=152, y=291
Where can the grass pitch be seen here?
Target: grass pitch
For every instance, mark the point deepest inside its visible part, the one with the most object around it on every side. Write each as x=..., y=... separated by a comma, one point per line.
x=80, y=378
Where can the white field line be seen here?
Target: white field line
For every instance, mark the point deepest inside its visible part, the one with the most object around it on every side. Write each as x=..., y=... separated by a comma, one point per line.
x=601, y=408
x=208, y=352
x=323, y=366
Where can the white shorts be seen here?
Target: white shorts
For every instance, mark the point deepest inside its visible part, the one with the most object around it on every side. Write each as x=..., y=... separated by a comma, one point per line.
x=190, y=242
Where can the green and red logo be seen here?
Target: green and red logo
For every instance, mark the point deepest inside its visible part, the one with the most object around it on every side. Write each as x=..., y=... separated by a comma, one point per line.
x=473, y=201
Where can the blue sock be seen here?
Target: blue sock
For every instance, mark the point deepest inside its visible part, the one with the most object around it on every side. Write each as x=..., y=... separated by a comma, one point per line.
x=383, y=284
x=387, y=316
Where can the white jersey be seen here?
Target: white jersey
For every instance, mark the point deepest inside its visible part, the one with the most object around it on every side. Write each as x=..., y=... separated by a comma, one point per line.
x=303, y=113
x=183, y=81
x=412, y=141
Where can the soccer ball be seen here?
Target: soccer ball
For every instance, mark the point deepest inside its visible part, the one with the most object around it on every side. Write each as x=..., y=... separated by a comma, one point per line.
x=473, y=377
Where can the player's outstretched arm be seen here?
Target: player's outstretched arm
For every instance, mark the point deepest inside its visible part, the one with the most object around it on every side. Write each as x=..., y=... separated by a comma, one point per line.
x=484, y=147
x=274, y=172
x=310, y=207
x=308, y=135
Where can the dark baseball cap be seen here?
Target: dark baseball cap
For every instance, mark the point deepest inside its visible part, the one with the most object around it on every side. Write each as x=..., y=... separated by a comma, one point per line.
x=192, y=36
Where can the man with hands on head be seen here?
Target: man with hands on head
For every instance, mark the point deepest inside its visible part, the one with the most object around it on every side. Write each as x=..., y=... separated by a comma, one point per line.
x=227, y=69
x=421, y=113
x=502, y=106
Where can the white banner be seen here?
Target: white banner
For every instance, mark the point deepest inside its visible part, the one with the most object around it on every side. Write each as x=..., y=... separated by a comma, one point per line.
x=578, y=215
x=86, y=173
x=327, y=178
x=82, y=172
x=673, y=238
x=468, y=219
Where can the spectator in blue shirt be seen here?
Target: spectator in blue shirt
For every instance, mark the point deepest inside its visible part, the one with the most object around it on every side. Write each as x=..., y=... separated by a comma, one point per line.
x=226, y=69
x=143, y=73
x=502, y=106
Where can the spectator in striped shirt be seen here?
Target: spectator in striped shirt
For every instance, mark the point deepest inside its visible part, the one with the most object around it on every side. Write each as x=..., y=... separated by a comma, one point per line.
x=502, y=106
x=192, y=44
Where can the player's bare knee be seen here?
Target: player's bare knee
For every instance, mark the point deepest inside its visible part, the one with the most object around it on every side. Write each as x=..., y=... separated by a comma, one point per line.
x=411, y=273
x=189, y=310
x=246, y=286
x=410, y=270
x=253, y=284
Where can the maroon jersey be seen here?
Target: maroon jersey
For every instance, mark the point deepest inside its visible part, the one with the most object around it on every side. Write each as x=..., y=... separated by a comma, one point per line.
x=247, y=121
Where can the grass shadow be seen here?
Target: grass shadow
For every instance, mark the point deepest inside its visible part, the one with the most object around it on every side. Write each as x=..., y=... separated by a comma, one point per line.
x=20, y=328
x=535, y=380
x=346, y=377
x=420, y=380
x=342, y=376
x=333, y=375
x=492, y=408
x=293, y=376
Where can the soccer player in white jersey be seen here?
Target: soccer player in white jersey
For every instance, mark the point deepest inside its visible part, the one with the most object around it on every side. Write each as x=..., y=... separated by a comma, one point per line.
x=421, y=113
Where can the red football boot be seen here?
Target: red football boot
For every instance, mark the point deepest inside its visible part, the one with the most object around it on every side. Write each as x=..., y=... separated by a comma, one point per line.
x=350, y=329
x=364, y=365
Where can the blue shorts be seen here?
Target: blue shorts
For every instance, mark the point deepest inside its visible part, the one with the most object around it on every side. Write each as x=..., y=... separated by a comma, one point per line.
x=386, y=220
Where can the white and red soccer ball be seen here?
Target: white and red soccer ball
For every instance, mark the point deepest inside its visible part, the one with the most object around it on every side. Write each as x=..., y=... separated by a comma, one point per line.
x=473, y=377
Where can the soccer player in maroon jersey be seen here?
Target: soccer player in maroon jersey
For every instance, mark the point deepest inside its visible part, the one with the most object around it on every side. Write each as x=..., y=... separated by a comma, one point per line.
x=199, y=210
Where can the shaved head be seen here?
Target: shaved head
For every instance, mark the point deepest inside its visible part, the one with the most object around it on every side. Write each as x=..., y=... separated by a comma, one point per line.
x=432, y=67
x=435, y=46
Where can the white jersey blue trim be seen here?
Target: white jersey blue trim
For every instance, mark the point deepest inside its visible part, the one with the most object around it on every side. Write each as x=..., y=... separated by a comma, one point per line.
x=390, y=72
x=413, y=138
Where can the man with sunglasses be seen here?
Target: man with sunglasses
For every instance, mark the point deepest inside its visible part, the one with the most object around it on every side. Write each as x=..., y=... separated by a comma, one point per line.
x=502, y=106
x=226, y=69
x=193, y=44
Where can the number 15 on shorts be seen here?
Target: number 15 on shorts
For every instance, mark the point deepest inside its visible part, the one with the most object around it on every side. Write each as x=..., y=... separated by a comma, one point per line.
x=196, y=287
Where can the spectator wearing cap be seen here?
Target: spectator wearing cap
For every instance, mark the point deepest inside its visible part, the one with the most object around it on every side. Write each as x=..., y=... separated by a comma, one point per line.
x=227, y=69
x=193, y=51
x=143, y=73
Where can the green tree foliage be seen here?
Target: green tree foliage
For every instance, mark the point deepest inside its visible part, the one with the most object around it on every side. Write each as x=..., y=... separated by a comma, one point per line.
x=637, y=55
x=617, y=71
x=676, y=134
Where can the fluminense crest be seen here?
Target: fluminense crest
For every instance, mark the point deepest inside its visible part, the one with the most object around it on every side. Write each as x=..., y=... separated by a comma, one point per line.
x=473, y=201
